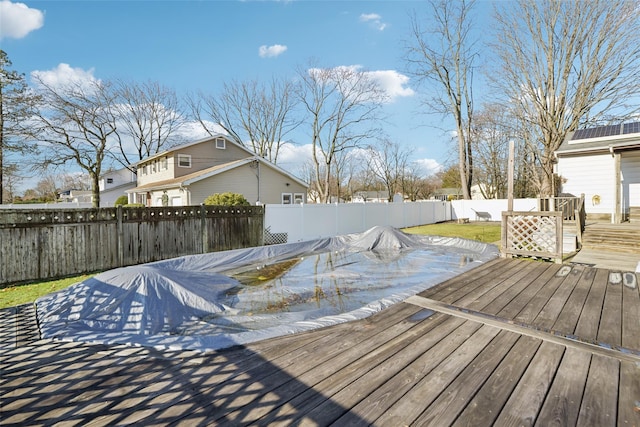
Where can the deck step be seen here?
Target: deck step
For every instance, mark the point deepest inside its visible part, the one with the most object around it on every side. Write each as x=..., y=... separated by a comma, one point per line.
x=607, y=237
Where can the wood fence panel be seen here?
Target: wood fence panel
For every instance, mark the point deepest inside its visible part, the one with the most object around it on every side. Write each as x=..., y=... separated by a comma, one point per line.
x=47, y=244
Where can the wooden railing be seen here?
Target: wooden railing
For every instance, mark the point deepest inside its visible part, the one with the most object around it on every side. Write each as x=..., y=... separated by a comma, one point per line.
x=532, y=234
x=572, y=209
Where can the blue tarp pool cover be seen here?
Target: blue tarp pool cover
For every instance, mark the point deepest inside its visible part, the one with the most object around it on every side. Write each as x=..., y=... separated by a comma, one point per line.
x=217, y=300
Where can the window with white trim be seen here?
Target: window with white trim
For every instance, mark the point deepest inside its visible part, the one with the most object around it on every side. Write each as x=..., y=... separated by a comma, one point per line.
x=184, y=160
x=298, y=198
x=287, y=198
x=221, y=143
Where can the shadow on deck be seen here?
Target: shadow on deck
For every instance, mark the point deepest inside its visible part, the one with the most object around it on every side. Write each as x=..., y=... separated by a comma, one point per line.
x=511, y=342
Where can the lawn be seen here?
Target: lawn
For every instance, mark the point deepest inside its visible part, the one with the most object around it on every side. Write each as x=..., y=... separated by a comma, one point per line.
x=488, y=232
x=13, y=295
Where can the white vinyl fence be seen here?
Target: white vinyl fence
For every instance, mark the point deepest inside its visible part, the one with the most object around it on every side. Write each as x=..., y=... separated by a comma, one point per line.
x=489, y=210
x=296, y=223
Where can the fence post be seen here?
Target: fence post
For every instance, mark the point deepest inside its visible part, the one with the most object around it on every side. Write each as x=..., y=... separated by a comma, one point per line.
x=503, y=235
x=559, y=238
x=120, y=231
x=205, y=229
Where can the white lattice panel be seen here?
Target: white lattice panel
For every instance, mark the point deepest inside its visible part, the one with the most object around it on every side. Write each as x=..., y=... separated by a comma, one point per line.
x=533, y=234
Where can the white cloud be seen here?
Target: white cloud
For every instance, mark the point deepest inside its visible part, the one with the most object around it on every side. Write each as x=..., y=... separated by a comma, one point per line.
x=193, y=130
x=429, y=166
x=271, y=51
x=392, y=82
x=374, y=20
x=295, y=158
x=17, y=19
x=64, y=75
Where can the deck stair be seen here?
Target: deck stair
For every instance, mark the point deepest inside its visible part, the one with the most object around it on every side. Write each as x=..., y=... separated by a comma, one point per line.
x=634, y=214
x=624, y=238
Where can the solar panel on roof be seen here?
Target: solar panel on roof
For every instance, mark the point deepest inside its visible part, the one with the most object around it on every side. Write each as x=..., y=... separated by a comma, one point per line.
x=597, y=132
x=631, y=128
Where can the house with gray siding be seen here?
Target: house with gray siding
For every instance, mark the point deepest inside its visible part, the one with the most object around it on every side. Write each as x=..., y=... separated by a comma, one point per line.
x=187, y=174
x=603, y=163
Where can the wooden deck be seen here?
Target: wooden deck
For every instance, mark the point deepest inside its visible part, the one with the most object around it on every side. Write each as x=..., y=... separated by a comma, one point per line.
x=512, y=342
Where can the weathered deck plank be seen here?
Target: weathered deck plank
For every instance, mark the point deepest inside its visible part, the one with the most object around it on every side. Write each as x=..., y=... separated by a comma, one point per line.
x=512, y=342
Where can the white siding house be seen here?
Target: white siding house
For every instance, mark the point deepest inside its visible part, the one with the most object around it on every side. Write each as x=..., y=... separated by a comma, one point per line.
x=603, y=163
x=114, y=184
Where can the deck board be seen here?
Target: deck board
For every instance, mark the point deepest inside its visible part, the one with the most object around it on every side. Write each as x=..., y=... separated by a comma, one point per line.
x=510, y=342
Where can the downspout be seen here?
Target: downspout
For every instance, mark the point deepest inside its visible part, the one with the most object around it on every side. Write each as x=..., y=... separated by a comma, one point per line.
x=616, y=217
x=258, y=203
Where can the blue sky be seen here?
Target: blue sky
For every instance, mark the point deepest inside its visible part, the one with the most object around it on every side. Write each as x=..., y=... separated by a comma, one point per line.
x=199, y=45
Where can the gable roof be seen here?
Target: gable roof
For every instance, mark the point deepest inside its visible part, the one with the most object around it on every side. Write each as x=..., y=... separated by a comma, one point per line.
x=189, y=144
x=602, y=139
x=191, y=178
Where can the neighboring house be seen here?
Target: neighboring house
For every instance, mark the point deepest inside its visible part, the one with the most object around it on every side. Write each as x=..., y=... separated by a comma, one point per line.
x=114, y=184
x=75, y=196
x=603, y=163
x=370, y=196
x=189, y=173
x=445, y=194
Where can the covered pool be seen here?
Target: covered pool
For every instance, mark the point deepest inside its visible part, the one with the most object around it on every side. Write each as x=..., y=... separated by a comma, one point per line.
x=217, y=300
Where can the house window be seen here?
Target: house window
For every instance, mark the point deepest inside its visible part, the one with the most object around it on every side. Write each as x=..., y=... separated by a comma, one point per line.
x=298, y=198
x=221, y=143
x=184, y=160
x=286, y=198
x=109, y=180
x=164, y=164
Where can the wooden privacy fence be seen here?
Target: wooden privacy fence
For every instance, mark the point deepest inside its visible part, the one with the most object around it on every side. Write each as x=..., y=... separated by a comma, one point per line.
x=46, y=244
x=534, y=234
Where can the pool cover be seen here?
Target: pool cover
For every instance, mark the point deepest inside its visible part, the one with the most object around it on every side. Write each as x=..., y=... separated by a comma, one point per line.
x=217, y=300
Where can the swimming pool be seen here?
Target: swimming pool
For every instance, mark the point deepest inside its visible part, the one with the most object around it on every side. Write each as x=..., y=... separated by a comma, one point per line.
x=217, y=300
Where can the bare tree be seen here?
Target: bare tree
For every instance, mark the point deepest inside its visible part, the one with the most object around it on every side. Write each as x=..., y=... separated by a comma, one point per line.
x=491, y=146
x=387, y=161
x=74, y=125
x=440, y=55
x=148, y=120
x=16, y=105
x=252, y=113
x=342, y=105
x=48, y=188
x=564, y=63
x=413, y=184
x=12, y=179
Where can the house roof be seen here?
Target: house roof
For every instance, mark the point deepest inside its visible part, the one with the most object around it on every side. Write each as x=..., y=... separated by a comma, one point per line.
x=189, y=144
x=601, y=139
x=191, y=178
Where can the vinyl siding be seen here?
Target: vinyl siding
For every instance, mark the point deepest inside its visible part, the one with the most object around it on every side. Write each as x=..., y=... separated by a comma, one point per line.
x=244, y=180
x=203, y=155
x=592, y=175
x=206, y=155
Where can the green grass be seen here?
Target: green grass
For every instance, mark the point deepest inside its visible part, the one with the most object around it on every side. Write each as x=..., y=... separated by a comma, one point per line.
x=487, y=232
x=14, y=295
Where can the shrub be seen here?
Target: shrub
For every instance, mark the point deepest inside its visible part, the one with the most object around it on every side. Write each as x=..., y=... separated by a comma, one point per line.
x=122, y=200
x=226, y=199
